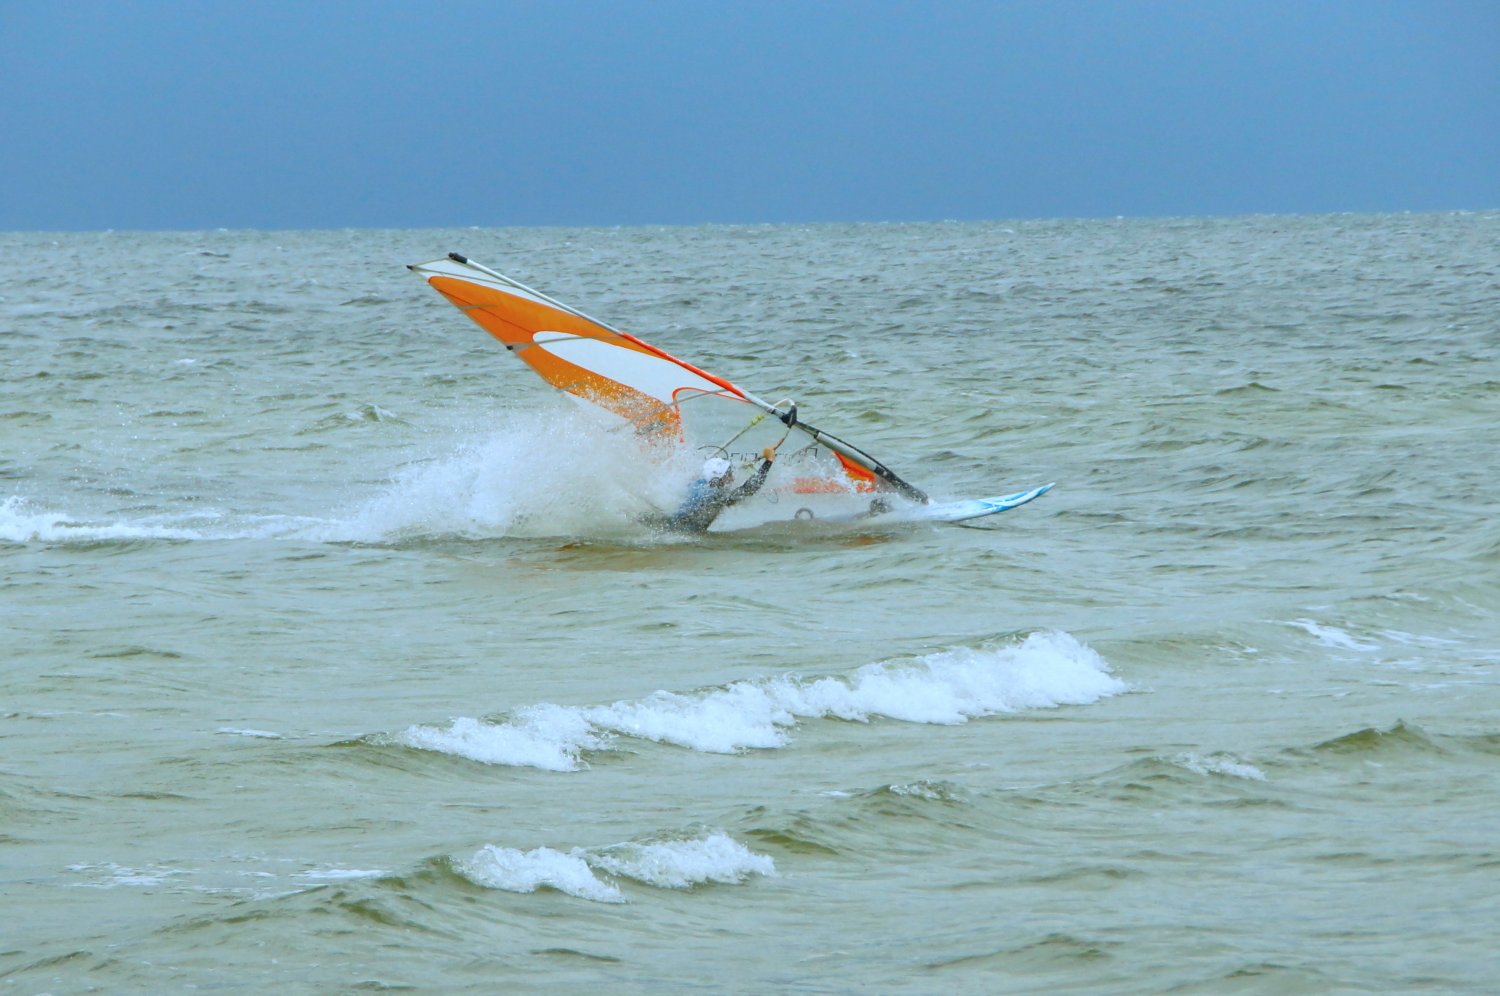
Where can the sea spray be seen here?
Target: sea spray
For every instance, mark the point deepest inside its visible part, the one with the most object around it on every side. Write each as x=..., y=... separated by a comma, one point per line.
x=567, y=471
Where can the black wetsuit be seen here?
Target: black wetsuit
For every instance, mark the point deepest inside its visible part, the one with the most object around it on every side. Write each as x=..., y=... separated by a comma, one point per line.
x=704, y=502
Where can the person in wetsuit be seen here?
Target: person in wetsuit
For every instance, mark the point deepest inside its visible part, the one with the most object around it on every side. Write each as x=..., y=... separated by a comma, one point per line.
x=714, y=492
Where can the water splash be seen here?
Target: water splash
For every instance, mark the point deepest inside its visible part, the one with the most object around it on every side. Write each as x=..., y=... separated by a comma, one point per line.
x=542, y=475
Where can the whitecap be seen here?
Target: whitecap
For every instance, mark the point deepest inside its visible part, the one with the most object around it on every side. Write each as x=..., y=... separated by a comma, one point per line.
x=544, y=736
x=681, y=864
x=1045, y=671
x=722, y=721
x=526, y=871
x=1220, y=764
x=931, y=791
x=21, y=524
x=663, y=864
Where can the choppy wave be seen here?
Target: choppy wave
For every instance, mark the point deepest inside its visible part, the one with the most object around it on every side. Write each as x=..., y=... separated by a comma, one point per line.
x=1044, y=671
x=1402, y=741
x=667, y=864
x=545, y=736
x=237, y=876
x=1220, y=764
x=20, y=522
x=1334, y=636
x=1292, y=553
x=1401, y=651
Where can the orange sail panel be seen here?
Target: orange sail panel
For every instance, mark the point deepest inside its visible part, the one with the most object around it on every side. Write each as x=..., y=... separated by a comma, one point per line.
x=635, y=380
x=574, y=353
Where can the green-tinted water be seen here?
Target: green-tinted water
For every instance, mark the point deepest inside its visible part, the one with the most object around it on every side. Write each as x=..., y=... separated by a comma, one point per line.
x=334, y=658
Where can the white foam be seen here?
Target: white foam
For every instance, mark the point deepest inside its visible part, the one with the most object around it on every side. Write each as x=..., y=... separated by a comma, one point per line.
x=1045, y=671
x=526, y=871
x=931, y=791
x=669, y=864
x=544, y=736
x=21, y=524
x=109, y=875
x=1413, y=639
x=1220, y=764
x=721, y=721
x=1332, y=636
x=259, y=734
x=681, y=864
x=342, y=874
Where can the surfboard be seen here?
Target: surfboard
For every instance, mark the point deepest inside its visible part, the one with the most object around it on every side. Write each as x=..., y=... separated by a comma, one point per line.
x=948, y=511
x=976, y=508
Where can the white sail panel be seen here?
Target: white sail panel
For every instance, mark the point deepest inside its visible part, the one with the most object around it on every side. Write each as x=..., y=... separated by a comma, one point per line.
x=648, y=373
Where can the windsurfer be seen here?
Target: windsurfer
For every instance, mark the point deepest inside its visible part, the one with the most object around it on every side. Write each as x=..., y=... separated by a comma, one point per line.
x=713, y=492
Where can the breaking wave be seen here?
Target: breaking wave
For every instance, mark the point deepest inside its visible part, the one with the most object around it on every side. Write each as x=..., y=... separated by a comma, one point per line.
x=1044, y=671
x=666, y=864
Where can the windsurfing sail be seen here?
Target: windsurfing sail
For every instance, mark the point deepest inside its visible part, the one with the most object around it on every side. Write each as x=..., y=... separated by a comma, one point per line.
x=663, y=397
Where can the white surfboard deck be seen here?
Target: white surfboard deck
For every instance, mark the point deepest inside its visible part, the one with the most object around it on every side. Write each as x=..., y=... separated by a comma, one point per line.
x=947, y=511
x=974, y=508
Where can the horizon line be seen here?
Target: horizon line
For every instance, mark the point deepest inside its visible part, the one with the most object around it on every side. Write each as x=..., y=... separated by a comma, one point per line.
x=1016, y=219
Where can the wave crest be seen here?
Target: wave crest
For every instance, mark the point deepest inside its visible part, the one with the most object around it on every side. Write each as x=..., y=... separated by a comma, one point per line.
x=1046, y=670
x=666, y=864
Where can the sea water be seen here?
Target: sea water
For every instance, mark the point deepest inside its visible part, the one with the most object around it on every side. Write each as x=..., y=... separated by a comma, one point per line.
x=335, y=658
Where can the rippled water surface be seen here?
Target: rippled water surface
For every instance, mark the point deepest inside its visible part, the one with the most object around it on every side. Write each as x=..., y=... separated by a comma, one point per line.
x=335, y=656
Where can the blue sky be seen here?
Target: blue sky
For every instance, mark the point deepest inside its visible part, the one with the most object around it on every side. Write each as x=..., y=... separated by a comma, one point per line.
x=185, y=115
